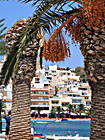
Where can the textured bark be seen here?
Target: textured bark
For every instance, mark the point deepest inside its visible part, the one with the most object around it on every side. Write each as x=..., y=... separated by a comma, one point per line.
x=21, y=119
x=93, y=49
x=21, y=113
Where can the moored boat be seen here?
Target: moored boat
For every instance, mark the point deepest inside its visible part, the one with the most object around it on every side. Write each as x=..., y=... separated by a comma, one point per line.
x=54, y=137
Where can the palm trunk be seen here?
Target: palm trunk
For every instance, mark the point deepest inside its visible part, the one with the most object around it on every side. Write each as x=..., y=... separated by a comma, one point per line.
x=21, y=118
x=93, y=49
x=21, y=112
x=98, y=112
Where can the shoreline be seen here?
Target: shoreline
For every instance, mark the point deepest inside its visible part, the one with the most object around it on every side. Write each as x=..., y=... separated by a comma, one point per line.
x=58, y=120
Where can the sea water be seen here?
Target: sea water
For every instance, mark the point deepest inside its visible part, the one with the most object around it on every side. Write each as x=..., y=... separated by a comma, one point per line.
x=72, y=127
x=63, y=128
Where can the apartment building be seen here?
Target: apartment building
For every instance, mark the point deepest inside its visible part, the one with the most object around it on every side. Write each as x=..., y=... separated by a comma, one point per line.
x=40, y=100
x=55, y=102
x=85, y=92
x=53, y=87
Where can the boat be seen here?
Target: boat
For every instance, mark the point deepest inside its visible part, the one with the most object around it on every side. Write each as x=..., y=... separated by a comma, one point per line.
x=77, y=137
x=64, y=119
x=36, y=136
x=42, y=122
x=58, y=120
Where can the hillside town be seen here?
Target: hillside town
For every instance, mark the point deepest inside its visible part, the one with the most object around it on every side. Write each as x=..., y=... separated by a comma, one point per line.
x=54, y=90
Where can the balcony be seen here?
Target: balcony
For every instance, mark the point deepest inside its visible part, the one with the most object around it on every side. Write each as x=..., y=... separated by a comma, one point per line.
x=39, y=99
x=39, y=105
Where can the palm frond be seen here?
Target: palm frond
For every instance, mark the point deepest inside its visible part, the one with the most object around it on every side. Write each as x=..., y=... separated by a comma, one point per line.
x=2, y=48
x=7, y=69
x=2, y=28
x=58, y=2
x=44, y=18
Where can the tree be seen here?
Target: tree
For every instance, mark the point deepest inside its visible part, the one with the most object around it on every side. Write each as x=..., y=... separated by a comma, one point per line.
x=86, y=25
x=70, y=108
x=38, y=111
x=80, y=109
x=88, y=112
x=53, y=112
x=22, y=77
x=58, y=110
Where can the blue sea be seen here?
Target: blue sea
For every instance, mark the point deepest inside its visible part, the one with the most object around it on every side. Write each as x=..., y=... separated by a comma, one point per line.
x=72, y=127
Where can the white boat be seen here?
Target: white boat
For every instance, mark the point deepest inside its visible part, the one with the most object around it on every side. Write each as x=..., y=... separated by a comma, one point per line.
x=77, y=137
x=42, y=122
x=58, y=120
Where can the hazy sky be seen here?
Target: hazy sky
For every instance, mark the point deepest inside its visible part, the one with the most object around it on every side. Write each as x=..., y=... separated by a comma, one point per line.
x=13, y=11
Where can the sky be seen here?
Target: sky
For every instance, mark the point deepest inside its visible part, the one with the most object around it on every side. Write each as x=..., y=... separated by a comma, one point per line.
x=13, y=11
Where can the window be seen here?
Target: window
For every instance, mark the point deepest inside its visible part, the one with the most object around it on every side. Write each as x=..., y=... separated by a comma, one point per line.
x=32, y=85
x=53, y=71
x=55, y=102
x=82, y=88
x=45, y=103
x=45, y=85
x=88, y=103
x=40, y=98
x=86, y=98
x=84, y=93
x=46, y=73
x=37, y=80
x=76, y=101
x=49, y=78
x=45, y=98
x=71, y=95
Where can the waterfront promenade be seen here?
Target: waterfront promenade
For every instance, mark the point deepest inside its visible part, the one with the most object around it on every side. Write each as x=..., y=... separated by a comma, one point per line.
x=2, y=137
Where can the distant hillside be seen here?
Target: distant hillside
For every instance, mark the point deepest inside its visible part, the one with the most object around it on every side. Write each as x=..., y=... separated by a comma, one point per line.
x=81, y=72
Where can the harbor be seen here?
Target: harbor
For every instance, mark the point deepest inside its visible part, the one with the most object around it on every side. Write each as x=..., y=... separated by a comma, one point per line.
x=51, y=129
x=71, y=127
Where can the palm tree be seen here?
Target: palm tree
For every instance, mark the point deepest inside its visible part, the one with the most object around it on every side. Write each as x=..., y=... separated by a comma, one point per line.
x=38, y=111
x=81, y=109
x=21, y=118
x=85, y=24
x=53, y=112
x=58, y=110
x=70, y=108
x=88, y=112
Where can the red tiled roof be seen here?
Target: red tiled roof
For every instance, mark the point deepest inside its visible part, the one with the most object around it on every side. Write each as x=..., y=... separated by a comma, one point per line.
x=7, y=100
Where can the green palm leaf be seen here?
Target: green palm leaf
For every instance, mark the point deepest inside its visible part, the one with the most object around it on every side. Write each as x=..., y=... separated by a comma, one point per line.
x=2, y=43
x=45, y=18
x=2, y=28
x=7, y=69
